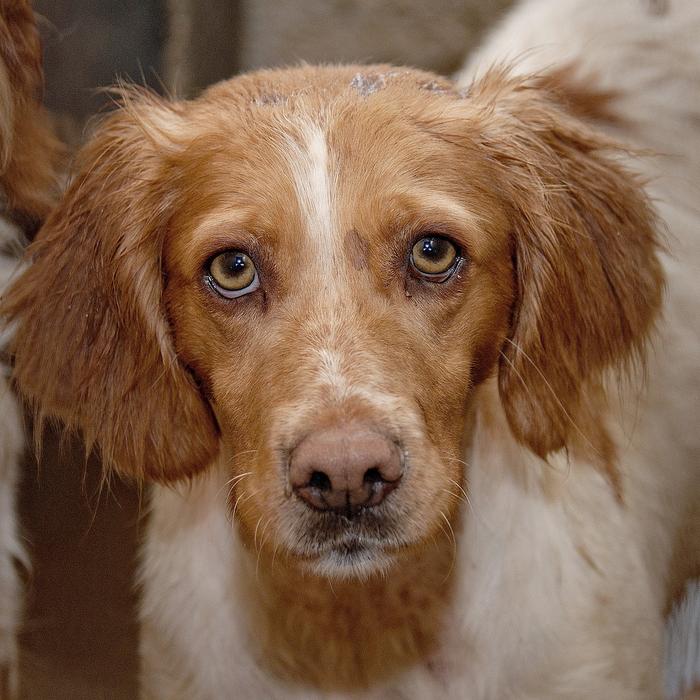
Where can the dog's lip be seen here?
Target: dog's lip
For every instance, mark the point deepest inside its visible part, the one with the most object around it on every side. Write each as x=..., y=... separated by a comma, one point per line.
x=355, y=540
x=351, y=557
x=368, y=526
x=347, y=550
x=349, y=545
x=352, y=542
x=319, y=535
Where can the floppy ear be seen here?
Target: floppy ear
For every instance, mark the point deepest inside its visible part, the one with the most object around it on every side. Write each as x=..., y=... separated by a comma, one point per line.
x=92, y=344
x=589, y=283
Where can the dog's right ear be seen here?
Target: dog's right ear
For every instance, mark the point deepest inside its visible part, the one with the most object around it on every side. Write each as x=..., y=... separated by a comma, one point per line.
x=92, y=344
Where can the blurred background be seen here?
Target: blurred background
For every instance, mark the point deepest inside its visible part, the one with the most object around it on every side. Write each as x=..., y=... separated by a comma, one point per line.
x=181, y=46
x=80, y=637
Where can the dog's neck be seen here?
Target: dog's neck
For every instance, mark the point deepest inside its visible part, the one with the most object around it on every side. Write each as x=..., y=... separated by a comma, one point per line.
x=336, y=635
x=353, y=634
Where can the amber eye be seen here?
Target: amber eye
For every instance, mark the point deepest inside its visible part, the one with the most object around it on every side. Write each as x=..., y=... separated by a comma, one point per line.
x=434, y=257
x=233, y=274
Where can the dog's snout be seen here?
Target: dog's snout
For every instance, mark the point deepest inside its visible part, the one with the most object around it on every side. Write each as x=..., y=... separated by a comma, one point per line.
x=345, y=468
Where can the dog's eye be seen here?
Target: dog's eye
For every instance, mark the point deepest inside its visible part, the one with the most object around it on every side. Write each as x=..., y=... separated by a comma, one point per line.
x=233, y=274
x=434, y=258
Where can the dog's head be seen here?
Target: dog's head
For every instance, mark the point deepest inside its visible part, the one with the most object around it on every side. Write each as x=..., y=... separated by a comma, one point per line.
x=309, y=272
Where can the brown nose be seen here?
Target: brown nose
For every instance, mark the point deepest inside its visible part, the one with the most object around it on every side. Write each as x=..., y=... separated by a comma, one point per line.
x=345, y=468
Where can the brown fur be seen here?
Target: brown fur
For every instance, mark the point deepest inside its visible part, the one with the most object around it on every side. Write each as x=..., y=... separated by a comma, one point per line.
x=581, y=237
x=29, y=152
x=581, y=97
x=345, y=636
x=119, y=335
x=585, y=247
x=29, y=155
x=99, y=254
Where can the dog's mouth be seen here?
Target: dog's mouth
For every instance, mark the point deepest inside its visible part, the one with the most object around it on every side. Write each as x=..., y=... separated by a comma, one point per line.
x=355, y=547
x=350, y=557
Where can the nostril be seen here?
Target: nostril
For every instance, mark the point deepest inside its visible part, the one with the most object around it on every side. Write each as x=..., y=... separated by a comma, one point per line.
x=320, y=481
x=345, y=468
x=373, y=476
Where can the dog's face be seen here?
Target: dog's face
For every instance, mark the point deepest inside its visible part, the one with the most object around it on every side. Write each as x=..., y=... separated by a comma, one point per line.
x=373, y=292
x=309, y=272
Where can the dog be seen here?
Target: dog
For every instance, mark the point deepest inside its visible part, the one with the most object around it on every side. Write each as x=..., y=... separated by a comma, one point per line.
x=411, y=364
x=29, y=157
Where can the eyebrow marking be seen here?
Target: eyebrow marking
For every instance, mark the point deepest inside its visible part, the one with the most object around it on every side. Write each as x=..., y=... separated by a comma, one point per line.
x=355, y=249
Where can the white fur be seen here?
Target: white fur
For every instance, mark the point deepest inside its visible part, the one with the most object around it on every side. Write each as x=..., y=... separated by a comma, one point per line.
x=11, y=444
x=308, y=159
x=331, y=375
x=683, y=644
x=559, y=589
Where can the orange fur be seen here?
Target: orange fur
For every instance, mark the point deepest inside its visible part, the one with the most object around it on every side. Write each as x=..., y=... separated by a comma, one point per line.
x=117, y=377
x=579, y=230
x=585, y=248
x=29, y=152
x=349, y=636
x=119, y=335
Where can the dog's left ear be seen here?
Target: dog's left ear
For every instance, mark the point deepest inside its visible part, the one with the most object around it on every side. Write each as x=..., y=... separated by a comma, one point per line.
x=585, y=242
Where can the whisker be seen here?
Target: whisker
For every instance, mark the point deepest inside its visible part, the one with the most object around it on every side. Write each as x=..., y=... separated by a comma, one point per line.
x=274, y=556
x=449, y=525
x=232, y=483
x=458, y=496
x=442, y=527
x=459, y=486
x=263, y=535
x=549, y=387
x=456, y=459
x=252, y=494
x=262, y=544
x=255, y=534
x=242, y=452
x=454, y=546
x=237, y=478
x=330, y=583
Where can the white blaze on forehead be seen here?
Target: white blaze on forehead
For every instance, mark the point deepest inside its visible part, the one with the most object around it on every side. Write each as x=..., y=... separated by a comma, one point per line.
x=330, y=372
x=308, y=158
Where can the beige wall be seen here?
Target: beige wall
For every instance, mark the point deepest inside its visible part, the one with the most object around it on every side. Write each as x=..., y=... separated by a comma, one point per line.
x=432, y=34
